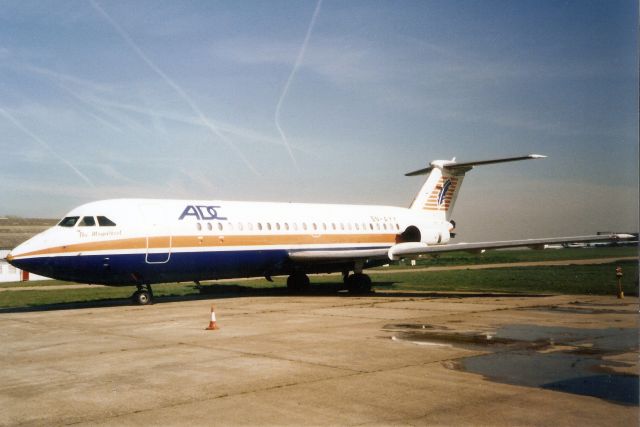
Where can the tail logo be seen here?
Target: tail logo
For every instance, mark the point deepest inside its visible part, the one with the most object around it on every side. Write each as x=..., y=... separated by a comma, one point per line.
x=442, y=195
x=443, y=192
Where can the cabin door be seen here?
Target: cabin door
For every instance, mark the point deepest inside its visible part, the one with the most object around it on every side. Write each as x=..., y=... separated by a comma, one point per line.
x=158, y=239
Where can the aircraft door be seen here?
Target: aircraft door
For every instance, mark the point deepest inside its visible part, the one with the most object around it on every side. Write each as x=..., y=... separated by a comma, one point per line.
x=159, y=236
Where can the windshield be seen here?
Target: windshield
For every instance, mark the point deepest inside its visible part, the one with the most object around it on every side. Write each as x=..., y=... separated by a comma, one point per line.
x=69, y=221
x=103, y=221
x=87, y=221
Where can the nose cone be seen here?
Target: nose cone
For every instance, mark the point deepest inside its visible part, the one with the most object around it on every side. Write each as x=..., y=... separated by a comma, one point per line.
x=22, y=255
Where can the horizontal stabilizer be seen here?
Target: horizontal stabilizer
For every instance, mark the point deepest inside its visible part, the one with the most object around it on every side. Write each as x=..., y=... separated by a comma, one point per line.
x=453, y=165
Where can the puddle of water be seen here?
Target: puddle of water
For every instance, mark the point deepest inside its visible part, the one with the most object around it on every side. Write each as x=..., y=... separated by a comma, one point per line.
x=617, y=388
x=555, y=358
x=610, y=340
x=556, y=371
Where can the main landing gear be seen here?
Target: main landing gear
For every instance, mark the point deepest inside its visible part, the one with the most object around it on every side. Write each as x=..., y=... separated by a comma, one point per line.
x=298, y=282
x=358, y=283
x=143, y=296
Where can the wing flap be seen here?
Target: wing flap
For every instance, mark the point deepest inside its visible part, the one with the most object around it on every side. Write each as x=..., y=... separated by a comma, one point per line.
x=338, y=255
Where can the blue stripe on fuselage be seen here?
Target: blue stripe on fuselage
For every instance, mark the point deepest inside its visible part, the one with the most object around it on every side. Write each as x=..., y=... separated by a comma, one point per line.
x=132, y=269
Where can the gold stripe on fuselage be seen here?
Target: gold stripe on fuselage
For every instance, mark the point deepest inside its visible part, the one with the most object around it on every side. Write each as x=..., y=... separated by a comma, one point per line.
x=211, y=241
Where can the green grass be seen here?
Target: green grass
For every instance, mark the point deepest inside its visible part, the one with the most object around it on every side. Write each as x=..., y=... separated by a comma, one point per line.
x=572, y=279
x=34, y=298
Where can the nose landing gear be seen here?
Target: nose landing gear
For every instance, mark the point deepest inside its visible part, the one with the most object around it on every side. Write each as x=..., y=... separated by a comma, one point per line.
x=143, y=296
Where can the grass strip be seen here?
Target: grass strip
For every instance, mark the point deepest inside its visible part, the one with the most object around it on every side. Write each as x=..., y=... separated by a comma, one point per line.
x=571, y=279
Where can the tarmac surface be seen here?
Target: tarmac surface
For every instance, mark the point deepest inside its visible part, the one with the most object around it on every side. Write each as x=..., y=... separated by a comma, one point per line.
x=401, y=358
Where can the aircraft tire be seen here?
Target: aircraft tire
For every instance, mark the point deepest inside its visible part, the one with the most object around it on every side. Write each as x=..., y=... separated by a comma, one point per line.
x=359, y=283
x=142, y=297
x=298, y=283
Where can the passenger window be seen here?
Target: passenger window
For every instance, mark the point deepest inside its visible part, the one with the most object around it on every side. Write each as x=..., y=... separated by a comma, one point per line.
x=199, y=226
x=277, y=226
x=269, y=226
x=69, y=221
x=295, y=226
x=324, y=226
x=87, y=221
x=315, y=226
x=230, y=225
x=220, y=227
x=304, y=225
x=286, y=226
x=240, y=226
x=209, y=226
x=333, y=225
x=249, y=226
x=259, y=226
x=103, y=221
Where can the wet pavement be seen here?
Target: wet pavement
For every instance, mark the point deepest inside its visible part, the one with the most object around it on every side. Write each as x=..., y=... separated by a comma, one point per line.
x=552, y=357
x=401, y=358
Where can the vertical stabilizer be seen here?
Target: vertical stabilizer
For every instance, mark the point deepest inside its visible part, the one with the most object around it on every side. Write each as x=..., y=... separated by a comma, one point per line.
x=439, y=192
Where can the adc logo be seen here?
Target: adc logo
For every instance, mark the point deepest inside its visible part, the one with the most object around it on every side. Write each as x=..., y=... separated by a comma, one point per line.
x=202, y=213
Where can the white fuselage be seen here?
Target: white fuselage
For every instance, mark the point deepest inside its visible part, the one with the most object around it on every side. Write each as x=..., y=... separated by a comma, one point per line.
x=131, y=241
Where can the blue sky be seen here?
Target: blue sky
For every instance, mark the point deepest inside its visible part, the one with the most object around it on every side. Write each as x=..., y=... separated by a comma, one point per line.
x=204, y=100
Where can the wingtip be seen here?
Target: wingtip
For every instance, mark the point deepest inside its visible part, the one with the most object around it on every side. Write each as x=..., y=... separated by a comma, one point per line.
x=537, y=156
x=623, y=236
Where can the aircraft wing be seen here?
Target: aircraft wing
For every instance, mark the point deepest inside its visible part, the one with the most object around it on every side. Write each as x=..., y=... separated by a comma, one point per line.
x=416, y=249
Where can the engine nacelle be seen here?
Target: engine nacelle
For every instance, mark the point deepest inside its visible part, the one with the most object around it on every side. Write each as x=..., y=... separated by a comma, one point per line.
x=429, y=233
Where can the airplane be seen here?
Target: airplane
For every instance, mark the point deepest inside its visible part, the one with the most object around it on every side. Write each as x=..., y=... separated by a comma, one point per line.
x=142, y=242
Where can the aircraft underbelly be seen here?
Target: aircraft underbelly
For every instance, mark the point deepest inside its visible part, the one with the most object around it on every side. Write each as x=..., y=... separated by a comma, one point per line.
x=134, y=268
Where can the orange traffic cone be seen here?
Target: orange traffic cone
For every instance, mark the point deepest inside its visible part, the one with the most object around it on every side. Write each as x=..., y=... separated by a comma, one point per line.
x=212, y=324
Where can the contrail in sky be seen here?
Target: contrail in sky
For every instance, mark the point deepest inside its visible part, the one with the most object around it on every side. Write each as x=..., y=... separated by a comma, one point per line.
x=174, y=86
x=41, y=142
x=294, y=70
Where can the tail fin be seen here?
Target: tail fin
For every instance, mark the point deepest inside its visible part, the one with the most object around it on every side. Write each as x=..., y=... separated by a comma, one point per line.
x=439, y=192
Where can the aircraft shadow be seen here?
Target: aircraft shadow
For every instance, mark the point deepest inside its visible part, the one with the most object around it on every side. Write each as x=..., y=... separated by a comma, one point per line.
x=230, y=290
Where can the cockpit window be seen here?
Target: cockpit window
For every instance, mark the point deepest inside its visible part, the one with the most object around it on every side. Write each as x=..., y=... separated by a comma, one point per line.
x=103, y=221
x=87, y=221
x=69, y=221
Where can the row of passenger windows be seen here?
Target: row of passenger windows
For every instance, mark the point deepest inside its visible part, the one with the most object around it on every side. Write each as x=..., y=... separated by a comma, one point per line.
x=86, y=221
x=294, y=226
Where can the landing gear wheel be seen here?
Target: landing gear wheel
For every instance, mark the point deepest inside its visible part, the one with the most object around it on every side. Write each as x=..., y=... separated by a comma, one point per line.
x=143, y=296
x=298, y=283
x=358, y=283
